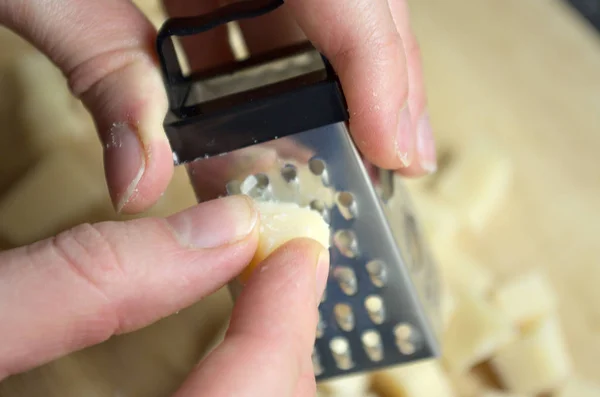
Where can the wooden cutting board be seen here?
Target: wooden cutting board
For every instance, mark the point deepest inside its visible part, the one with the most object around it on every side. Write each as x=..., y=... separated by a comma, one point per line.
x=527, y=74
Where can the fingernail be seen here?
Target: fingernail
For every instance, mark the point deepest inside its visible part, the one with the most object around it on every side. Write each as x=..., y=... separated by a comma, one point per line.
x=404, y=140
x=426, y=144
x=125, y=163
x=215, y=223
x=322, y=272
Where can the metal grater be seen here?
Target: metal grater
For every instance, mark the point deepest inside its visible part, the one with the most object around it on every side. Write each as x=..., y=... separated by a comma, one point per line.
x=274, y=127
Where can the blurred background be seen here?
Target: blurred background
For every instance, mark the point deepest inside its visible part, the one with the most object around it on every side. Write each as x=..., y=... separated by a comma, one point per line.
x=513, y=215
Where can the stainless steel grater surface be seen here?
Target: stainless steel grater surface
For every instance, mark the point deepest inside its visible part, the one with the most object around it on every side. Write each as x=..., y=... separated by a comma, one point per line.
x=274, y=127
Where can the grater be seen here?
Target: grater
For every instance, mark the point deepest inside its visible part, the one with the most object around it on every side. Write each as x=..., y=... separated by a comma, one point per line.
x=274, y=127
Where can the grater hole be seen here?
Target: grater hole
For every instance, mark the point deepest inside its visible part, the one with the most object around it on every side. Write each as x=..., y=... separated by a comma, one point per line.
x=316, y=361
x=317, y=166
x=346, y=205
x=289, y=173
x=408, y=340
x=377, y=272
x=321, y=208
x=346, y=279
x=375, y=308
x=340, y=349
x=371, y=341
x=345, y=241
x=344, y=316
x=233, y=187
x=320, y=326
x=255, y=185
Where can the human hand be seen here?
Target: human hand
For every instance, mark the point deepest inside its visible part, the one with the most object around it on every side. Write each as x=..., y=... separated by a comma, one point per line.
x=106, y=50
x=89, y=283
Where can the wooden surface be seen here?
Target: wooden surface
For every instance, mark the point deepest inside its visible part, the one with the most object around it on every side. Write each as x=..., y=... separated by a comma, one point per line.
x=527, y=74
x=523, y=74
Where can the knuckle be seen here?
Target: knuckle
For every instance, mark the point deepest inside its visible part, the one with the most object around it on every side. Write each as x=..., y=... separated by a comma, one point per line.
x=90, y=256
x=89, y=73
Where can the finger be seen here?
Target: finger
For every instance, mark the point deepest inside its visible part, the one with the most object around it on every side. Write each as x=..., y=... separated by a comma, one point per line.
x=206, y=50
x=106, y=50
x=94, y=281
x=272, y=331
x=425, y=145
x=367, y=52
x=273, y=30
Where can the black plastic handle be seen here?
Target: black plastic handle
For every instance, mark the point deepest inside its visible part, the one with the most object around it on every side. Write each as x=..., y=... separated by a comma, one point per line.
x=241, y=119
x=189, y=26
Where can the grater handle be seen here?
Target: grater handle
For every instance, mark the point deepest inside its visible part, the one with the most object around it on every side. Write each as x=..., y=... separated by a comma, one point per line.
x=203, y=129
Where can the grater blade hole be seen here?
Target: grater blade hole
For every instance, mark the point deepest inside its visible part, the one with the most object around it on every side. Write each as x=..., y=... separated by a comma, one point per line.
x=321, y=208
x=371, y=341
x=345, y=241
x=377, y=272
x=233, y=187
x=340, y=349
x=255, y=185
x=375, y=309
x=316, y=361
x=346, y=205
x=408, y=339
x=346, y=279
x=344, y=316
x=320, y=326
x=290, y=173
x=317, y=167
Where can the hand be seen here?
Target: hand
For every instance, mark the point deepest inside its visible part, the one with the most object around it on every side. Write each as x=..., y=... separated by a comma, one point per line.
x=106, y=50
x=87, y=284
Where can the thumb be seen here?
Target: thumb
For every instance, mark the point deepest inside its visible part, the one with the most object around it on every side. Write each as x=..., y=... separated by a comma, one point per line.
x=89, y=283
x=106, y=51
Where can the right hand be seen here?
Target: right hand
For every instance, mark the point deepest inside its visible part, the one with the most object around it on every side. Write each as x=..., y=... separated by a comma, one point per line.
x=106, y=50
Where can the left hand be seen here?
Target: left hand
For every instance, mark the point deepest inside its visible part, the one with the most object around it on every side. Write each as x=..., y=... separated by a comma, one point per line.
x=94, y=281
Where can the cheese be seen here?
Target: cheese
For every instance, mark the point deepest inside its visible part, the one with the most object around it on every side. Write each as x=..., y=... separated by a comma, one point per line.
x=537, y=362
x=281, y=222
x=424, y=378
x=526, y=298
x=477, y=330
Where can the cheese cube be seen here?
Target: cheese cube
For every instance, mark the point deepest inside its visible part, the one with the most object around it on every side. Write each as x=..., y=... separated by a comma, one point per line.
x=526, y=298
x=356, y=385
x=537, y=362
x=477, y=182
x=578, y=387
x=424, y=378
x=477, y=330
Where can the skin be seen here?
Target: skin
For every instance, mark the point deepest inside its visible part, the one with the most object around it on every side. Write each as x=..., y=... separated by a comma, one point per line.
x=117, y=270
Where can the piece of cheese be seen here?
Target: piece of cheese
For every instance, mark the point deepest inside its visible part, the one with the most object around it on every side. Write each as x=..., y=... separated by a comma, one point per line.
x=477, y=330
x=59, y=192
x=464, y=273
x=281, y=222
x=538, y=362
x=355, y=385
x=499, y=393
x=578, y=387
x=447, y=306
x=477, y=182
x=424, y=378
x=526, y=298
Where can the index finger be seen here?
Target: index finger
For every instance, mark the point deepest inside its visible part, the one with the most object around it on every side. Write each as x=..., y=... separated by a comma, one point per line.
x=365, y=48
x=267, y=349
